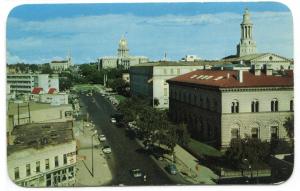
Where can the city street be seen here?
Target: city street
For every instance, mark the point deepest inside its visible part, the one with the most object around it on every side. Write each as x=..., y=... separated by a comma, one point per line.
x=126, y=153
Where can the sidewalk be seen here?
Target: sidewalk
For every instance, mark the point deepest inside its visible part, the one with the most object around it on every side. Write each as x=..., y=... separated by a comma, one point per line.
x=102, y=174
x=188, y=165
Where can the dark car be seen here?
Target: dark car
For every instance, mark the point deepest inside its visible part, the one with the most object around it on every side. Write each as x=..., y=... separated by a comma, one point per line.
x=118, y=116
x=171, y=168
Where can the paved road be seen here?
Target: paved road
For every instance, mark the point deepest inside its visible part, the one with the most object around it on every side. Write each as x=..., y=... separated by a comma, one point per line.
x=126, y=153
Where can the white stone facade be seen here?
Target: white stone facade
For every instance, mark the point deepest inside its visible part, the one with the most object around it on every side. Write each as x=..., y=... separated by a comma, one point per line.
x=216, y=115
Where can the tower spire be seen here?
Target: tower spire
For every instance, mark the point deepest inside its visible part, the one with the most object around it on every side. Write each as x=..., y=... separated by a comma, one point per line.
x=247, y=45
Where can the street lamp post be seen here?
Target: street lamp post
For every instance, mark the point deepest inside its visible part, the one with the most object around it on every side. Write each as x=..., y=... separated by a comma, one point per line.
x=95, y=133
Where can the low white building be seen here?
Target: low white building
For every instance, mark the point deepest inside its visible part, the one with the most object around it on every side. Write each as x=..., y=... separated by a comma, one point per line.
x=42, y=155
x=219, y=106
x=25, y=83
x=20, y=113
x=52, y=98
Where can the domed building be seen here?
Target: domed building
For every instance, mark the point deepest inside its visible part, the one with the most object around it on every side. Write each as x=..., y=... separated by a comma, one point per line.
x=122, y=60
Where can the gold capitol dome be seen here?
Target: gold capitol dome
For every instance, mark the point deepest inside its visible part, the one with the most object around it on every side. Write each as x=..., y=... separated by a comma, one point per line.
x=123, y=42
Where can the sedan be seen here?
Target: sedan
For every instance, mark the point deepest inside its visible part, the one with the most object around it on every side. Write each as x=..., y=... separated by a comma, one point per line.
x=106, y=150
x=136, y=173
x=102, y=138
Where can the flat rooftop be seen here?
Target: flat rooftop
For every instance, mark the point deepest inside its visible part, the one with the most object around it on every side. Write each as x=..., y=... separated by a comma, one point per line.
x=183, y=63
x=23, y=107
x=40, y=135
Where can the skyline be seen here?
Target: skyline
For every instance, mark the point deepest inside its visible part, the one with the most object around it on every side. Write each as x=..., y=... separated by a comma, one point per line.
x=90, y=31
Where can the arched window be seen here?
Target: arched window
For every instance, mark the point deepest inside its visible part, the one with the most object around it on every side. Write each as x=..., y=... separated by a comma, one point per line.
x=292, y=105
x=274, y=132
x=274, y=105
x=254, y=133
x=235, y=133
x=201, y=102
x=255, y=106
x=235, y=106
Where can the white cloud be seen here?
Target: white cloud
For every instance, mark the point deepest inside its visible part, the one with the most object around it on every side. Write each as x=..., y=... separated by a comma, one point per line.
x=13, y=59
x=208, y=35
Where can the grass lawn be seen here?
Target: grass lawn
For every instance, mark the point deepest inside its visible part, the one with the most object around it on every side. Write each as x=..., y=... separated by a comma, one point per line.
x=202, y=149
x=120, y=98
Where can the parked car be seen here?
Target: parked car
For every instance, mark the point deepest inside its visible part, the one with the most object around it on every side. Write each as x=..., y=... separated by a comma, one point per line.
x=102, y=138
x=171, y=168
x=106, y=149
x=136, y=173
x=113, y=120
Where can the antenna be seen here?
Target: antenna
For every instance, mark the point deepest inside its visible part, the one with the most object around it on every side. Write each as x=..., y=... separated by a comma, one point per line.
x=165, y=57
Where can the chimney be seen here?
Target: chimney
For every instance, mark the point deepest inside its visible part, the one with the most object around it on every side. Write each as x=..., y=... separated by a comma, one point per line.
x=268, y=70
x=228, y=75
x=256, y=69
x=240, y=76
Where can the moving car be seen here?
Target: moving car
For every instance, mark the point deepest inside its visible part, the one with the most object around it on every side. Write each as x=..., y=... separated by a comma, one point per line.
x=106, y=149
x=136, y=173
x=102, y=138
x=113, y=120
x=171, y=168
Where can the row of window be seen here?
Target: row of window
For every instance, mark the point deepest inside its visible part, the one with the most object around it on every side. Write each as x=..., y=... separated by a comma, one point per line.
x=235, y=133
x=255, y=106
x=38, y=166
x=172, y=71
x=205, y=103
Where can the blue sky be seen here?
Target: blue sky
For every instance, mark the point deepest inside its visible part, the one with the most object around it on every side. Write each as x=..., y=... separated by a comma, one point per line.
x=41, y=33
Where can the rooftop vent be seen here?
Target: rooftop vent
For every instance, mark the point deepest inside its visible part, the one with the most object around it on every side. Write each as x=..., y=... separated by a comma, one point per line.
x=219, y=78
x=194, y=76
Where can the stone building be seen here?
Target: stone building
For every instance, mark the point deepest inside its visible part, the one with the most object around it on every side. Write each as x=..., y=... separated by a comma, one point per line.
x=149, y=79
x=218, y=106
x=42, y=155
x=122, y=60
x=61, y=65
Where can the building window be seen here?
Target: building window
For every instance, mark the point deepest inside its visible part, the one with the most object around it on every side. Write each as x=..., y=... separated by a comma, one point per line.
x=292, y=105
x=17, y=173
x=190, y=98
x=28, y=172
x=37, y=166
x=254, y=133
x=65, y=159
x=172, y=71
x=68, y=113
x=274, y=132
x=201, y=102
x=195, y=99
x=47, y=165
x=207, y=104
x=235, y=133
x=274, y=105
x=56, y=161
x=235, y=106
x=165, y=92
x=255, y=106
x=178, y=71
x=165, y=71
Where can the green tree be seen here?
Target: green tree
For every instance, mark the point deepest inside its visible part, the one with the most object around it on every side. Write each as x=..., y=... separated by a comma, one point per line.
x=45, y=69
x=289, y=126
x=252, y=149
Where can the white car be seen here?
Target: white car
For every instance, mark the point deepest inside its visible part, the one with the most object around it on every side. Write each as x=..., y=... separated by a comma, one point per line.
x=106, y=150
x=113, y=120
x=136, y=173
x=102, y=138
